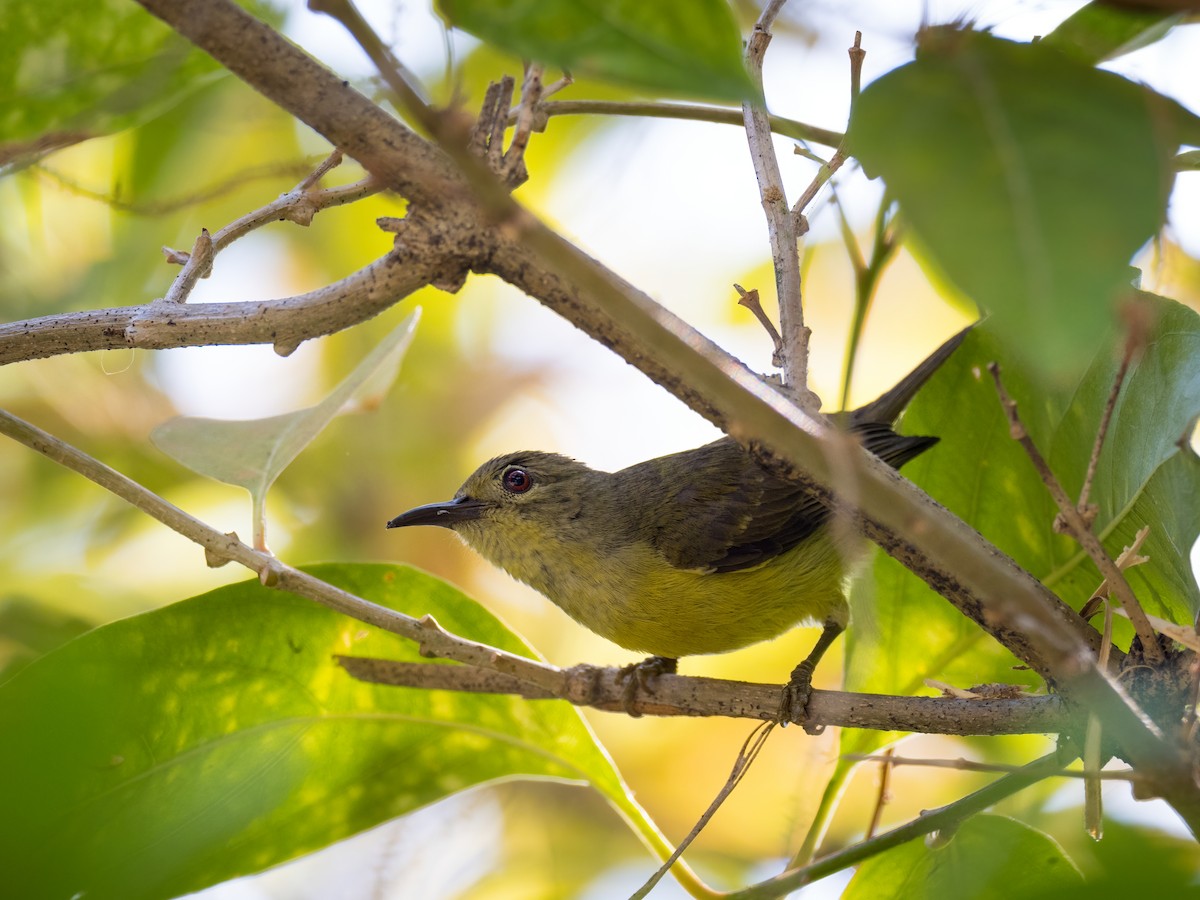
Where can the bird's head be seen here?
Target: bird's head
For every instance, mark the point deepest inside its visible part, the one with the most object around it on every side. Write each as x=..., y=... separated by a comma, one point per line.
x=518, y=493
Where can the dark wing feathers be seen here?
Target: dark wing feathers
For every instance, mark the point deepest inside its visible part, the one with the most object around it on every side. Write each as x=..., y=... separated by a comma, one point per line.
x=730, y=513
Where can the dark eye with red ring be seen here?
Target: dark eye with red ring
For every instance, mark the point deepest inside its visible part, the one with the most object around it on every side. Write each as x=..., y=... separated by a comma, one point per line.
x=516, y=481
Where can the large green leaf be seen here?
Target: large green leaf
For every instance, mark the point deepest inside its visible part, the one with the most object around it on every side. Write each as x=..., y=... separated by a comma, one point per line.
x=216, y=737
x=73, y=70
x=691, y=47
x=252, y=453
x=979, y=472
x=1029, y=179
x=988, y=858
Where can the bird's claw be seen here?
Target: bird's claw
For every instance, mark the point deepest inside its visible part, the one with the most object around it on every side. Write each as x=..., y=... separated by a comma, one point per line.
x=640, y=676
x=793, y=704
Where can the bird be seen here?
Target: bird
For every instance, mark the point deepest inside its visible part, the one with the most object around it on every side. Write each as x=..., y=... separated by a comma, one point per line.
x=698, y=552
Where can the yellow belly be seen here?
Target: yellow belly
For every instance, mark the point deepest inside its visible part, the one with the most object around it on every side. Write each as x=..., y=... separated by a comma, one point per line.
x=638, y=601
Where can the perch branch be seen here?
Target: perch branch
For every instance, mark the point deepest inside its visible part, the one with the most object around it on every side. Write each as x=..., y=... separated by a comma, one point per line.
x=677, y=695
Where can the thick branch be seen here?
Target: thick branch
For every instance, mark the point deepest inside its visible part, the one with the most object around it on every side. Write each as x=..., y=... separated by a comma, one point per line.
x=677, y=695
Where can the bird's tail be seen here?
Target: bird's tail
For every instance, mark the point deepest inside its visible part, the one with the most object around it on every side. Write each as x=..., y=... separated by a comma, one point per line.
x=888, y=407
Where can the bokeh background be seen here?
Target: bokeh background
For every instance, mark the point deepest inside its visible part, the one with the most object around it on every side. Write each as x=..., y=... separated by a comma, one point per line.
x=671, y=206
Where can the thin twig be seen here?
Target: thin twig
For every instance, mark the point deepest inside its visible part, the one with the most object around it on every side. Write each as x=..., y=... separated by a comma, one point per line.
x=1079, y=529
x=883, y=797
x=299, y=205
x=867, y=276
x=749, y=299
x=857, y=55
x=196, y=265
x=943, y=818
x=1132, y=343
x=531, y=96
x=402, y=80
x=791, y=128
x=1093, y=800
x=829, y=168
x=165, y=207
x=968, y=765
x=746, y=756
x=781, y=225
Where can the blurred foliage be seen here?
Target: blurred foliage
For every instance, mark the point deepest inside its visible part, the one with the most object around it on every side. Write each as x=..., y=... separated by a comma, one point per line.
x=132, y=730
x=185, y=148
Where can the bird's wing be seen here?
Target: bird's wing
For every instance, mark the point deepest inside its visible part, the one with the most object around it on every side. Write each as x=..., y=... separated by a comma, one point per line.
x=726, y=513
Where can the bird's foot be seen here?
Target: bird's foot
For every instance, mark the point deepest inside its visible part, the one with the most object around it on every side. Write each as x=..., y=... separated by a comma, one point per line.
x=640, y=676
x=793, y=705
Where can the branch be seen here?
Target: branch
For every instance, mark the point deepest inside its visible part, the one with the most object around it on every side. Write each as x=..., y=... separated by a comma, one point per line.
x=284, y=323
x=678, y=695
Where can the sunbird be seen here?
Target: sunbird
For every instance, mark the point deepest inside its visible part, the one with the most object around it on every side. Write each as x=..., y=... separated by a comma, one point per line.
x=702, y=551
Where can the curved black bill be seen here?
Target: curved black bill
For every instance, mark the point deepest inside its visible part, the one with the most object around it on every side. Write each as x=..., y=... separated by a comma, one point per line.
x=448, y=514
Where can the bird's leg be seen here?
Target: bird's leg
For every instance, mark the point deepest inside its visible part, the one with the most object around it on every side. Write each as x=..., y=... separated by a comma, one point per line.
x=794, y=704
x=639, y=676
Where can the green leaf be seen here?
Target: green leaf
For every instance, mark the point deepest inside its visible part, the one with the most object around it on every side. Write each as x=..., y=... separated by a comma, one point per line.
x=690, y=47
x=217, y=737
x=1028, y=178
x=988, y=858
x=252, y=453
x=73, y=70
x=1102, y=31
x=906, y=633
x=29, y=629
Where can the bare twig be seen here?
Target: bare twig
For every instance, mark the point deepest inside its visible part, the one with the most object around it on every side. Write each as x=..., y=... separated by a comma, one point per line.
x=749, y=299
x=1078, y=528
x=164, y=207
x=196, y=265
x=967, y=765
x=746, y=756
x=298, y=205
x=1093, y=800
x=883, y=796
x=800, y=131
x=531, y=96
x=857, y=55
x=829, y=168
x=399, y=77
x=781, y=225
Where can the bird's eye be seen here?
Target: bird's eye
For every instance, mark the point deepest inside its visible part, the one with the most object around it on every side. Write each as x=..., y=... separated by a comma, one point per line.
x=516, y=481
